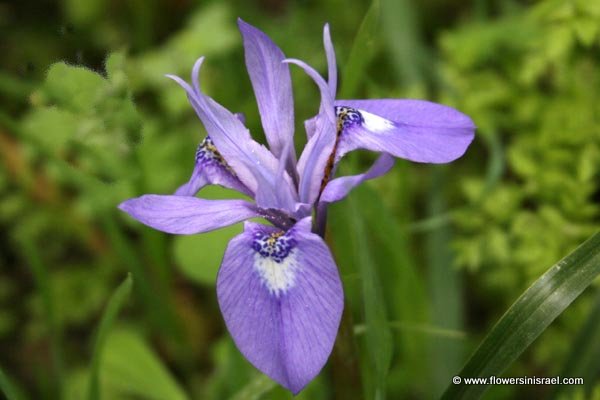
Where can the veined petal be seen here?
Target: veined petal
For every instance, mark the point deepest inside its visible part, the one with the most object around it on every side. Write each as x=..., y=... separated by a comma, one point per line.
x=316, y=160
x=211, y=168
x=253, y=164
x=273, y=89
x=316, y=157
x=282, y=300
x=186, y=214
x=331, y=61
x=339, y=188
x=416, y=130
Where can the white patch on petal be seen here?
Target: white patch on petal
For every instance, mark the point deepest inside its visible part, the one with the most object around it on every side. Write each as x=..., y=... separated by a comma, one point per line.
x=277, y=276
x=375, y=123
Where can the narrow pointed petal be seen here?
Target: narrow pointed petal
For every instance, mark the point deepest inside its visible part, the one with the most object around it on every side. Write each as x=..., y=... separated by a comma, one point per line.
x=282, y=300
x=416, y=130
x=322, y=139
x=211, y=168
x=273, y=89
x=317, y=154
x=331, y=61
x=339, y=188
x=187, y=215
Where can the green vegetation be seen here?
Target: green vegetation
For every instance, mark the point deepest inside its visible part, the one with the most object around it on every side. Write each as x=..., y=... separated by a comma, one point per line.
x=441, y=264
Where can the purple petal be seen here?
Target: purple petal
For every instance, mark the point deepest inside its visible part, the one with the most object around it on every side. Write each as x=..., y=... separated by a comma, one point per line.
x=416, y=130
x=187, y=215
x=211, y=168
x=253, y=164
x=273, y=88
x=310, y=126
x=314, y=159
x=282, y=301
x=339, y=188
x=331, y=62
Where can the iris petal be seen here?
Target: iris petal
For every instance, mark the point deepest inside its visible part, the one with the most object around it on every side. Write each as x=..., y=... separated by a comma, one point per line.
x=281, y=297
x=340, y=187
x=415, y=130
x=187, y=215
x=273, y=89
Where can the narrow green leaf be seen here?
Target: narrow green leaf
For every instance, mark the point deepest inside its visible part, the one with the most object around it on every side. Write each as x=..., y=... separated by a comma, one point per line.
x=255, y=389
x=158, y=308
x=8, y=388
x=445, y=289
x=40, y=272
x=584, y=359
x=529, y=316
x=403, y=287
x=378, y=335
x=401, y=26
x=110, y=313
x=363, y=50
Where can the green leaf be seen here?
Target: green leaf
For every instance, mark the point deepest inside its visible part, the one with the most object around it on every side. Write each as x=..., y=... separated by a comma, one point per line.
x=8, y=388
x=400, y=23
x=255, y=389
x=363, y=51
x=445, y=289
x=51, y=127
x=76, y=87
x=130, y=366
x=529, y=316
x=110, y=314
x=403, y=286
x=40, y=271
x=378, y=335
x=584, y=359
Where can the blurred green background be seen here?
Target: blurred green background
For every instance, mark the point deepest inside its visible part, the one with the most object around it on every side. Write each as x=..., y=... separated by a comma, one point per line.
x=430, y=256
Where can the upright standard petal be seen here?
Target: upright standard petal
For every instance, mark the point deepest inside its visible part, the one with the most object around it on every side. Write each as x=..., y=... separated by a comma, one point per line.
x=273, y=89
x=316, y=160
x=416, y=130
x=211, y=169
x=339, y=188
x=187, y=215
x=331, y=61
x=282, y=300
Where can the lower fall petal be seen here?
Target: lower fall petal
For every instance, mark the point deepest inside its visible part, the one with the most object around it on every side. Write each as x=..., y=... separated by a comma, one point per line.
x=415, y=130
x=282, y=301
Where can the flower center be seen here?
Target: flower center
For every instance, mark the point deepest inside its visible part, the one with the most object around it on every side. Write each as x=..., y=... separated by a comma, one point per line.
x=347, y=117
x=207, y=154
x=276, y=261
x=276, y=245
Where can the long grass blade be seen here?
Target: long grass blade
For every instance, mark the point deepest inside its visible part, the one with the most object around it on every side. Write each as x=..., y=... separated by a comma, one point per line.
x=529, y=317
x=113, y=307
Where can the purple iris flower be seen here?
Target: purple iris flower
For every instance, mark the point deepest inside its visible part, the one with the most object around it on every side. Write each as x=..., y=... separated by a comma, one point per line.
x=278, y=286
